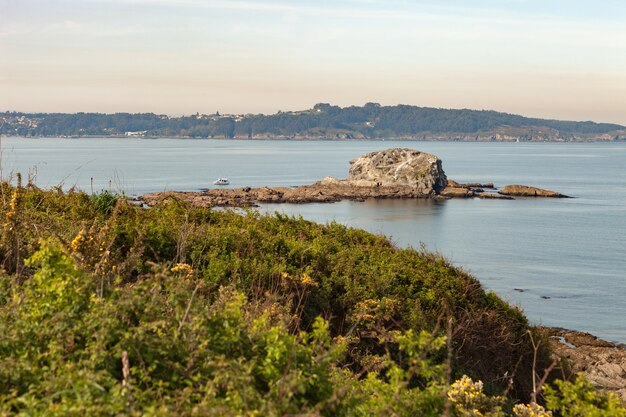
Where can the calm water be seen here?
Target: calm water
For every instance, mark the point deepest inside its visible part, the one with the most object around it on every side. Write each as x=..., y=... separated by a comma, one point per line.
x=572, y=250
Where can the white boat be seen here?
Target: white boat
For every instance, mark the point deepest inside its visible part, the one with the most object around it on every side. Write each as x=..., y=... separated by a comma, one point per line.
x=221, y=181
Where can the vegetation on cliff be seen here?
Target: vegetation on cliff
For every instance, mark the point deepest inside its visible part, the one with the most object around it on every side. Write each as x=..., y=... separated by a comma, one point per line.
x=322, y=121
x=110, y=309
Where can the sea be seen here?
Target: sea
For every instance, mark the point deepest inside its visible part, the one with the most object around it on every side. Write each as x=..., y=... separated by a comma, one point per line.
x=563, y=261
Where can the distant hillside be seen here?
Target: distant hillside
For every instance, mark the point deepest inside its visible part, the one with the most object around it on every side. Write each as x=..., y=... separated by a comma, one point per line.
x=323, y=121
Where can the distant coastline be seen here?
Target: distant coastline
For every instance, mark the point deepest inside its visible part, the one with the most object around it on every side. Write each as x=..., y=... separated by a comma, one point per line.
x=322, y=122
x=331, y=139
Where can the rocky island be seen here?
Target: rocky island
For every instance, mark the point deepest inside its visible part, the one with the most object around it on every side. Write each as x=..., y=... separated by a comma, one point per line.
x=392, y=173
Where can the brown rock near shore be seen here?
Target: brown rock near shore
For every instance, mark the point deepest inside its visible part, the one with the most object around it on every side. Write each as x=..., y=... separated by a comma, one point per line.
x=526, y=191
x=604, y=363
x=457, y=192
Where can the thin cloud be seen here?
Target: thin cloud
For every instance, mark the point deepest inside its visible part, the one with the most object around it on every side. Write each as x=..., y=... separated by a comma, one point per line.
x=375, y=9
x=70, y=27
x=379, y=10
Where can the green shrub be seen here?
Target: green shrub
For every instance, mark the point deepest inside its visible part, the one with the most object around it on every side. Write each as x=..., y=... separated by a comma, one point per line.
x=579, y=398
x=110, y=309
x=104, y=202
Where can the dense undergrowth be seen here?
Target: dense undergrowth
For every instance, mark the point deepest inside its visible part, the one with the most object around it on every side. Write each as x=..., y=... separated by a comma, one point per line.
x=110, y=309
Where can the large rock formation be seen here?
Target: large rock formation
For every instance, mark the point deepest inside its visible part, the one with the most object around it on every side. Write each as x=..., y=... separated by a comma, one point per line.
x=399, y=167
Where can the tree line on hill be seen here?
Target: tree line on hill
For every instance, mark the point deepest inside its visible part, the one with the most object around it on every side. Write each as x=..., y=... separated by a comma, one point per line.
x=324, y=120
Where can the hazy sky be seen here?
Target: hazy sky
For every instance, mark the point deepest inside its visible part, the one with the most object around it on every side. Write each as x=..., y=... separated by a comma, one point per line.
x=547, y=58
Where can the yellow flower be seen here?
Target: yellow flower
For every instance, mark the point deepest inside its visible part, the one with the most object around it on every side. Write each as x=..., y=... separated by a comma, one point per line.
x=14, y=199
x=95, y=299
x=306, y=280
x=184, y=269
x=467, y=393
x=366, y=310
x=80, y=238
x=10, y=215
x=531, y=410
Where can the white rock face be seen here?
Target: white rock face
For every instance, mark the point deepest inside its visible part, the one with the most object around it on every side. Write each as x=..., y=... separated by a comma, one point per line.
x=328, y=181
x=399, y=167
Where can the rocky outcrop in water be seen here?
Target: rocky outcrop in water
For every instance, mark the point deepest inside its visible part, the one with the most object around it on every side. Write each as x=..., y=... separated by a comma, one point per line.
x=471, y=190
x=399, y=167
x=392, y=173
x=320, y=192
x=526, y=191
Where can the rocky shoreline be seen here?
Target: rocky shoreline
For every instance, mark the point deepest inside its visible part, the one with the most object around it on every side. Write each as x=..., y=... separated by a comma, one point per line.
x=604, y=363
x=391, y=174
x=326, y=191
x=319, y=192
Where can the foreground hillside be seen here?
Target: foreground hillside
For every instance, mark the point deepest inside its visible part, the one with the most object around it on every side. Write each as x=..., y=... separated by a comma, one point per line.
x=323, y=121
x=110, y=309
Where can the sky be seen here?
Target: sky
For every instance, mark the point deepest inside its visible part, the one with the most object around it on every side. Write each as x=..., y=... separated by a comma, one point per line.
x=563, y=59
